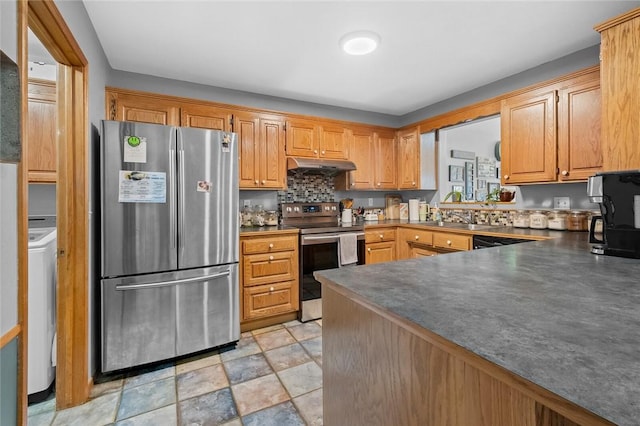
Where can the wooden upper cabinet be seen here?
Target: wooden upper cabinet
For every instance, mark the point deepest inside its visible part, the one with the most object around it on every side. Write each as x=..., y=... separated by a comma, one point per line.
x=206, y=117
x=143, y=109
x=306, y=138
x=409, y=159
x=620, y=68
x=261, y=151
x=333, y=142
x=302, y=138
x=385, y=164
x=362, y=154
x=529, y=138
x=579, y=131
x=41, y=131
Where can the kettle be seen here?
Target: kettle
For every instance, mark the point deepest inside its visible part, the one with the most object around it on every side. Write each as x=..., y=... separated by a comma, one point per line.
x=506, y=196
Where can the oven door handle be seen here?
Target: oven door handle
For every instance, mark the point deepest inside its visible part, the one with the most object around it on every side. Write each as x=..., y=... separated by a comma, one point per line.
x=326, y=237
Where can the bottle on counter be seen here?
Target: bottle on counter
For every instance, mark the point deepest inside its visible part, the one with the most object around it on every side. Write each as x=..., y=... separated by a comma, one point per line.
x=557, y=220
x=538, y=220
x=521, y=219
x=578, y=221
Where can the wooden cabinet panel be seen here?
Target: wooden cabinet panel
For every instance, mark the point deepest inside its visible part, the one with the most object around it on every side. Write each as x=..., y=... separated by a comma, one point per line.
x=529, y=139
x=246, y=126
x=620, y=67
x=422, y=252
x=206, y=117
x=269, y=245
x=268, y=268
x=379, y=235
x=333, y=142
x=143, y=109
x=302, y=138
x=451, y=241
x=579, y=131
x=271, y=299
x=273, y=170
x=380, y=252
x=409, y=159
x=362, y=155
x=385, y=161
x=408, y=237
x=42, y=131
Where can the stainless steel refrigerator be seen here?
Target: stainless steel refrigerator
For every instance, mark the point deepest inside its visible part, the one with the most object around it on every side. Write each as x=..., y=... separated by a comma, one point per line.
x=169, y=242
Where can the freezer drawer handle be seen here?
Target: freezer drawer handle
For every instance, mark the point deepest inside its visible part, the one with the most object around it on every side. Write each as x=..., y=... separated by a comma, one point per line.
x=169, y=283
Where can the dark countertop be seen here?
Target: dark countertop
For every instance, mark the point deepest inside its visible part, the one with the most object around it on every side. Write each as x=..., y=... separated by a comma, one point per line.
x=268, y=230
x=549, y=311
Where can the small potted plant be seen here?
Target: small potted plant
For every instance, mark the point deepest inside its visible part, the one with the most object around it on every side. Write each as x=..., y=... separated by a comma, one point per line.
x=456, y=196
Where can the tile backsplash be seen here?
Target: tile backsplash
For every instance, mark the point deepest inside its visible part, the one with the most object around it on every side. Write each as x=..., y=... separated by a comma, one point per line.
x=307, y=188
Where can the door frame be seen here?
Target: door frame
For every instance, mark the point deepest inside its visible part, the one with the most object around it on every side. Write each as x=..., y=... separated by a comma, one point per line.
x=73, y=382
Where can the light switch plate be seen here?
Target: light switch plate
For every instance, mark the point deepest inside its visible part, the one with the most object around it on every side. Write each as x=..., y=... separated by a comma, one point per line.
x=562, y=203
x=246, y=203
x=370, y=202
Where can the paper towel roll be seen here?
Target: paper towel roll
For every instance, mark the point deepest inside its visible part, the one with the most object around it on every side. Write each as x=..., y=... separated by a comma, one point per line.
x=414, y=209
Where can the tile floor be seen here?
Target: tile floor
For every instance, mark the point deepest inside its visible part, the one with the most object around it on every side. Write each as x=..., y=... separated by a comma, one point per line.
x=272, y=377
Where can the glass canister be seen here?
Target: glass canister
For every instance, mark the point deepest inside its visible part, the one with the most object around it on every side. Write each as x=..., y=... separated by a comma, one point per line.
x=538, y=220
x=247, y=216
x=557, y=220
x=521, y=219
x=258, y=216
x=578, y=221
x=271, y=218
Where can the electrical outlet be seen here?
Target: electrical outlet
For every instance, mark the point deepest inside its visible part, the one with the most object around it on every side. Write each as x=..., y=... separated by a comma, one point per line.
x=562, y=203
x=370, y=202
x=246, y=203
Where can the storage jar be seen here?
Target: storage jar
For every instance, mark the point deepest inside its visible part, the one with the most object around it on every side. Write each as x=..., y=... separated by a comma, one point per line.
x=521, y=219
x=578, y=221
x=258, y=216
x=271, y=218
x=538, y=220
x=557, y=220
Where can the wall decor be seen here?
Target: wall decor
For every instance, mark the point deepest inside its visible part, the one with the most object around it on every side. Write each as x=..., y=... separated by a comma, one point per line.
x=481, y=195
x=465, y=155
x=482, y=184
x=468, y=180
x=456, y=173
x=486, y=167
x=493, y=187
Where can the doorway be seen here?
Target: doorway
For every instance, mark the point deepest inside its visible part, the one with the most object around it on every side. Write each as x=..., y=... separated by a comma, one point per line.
x=72, y=378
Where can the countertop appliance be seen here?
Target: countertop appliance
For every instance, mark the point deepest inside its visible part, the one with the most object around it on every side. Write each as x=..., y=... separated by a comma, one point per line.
x=320, y=235
x=169, y=242
x=618, y=194
x=42, y=312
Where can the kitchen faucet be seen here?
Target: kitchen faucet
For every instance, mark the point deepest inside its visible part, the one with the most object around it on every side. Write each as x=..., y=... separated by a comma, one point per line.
x=469, y=217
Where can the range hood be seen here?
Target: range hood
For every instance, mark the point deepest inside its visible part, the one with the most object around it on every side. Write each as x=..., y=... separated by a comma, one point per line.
x=319, y=166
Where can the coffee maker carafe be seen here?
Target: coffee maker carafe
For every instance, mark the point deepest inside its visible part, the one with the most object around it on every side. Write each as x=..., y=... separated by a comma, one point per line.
x=618, y=195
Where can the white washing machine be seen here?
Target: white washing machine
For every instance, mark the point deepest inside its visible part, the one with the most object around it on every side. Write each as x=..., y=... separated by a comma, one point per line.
x=42, y=310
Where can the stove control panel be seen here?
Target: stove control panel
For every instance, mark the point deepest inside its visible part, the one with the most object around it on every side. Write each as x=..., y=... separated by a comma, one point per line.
x=309, y=210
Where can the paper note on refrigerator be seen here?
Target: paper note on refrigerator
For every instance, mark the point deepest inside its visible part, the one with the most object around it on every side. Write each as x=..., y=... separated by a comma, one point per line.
x=135, y=149
x=142, y=187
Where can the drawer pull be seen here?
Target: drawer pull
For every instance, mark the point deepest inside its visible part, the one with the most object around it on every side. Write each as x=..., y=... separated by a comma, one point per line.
x=271, y=245
x=448, y=242
x=271, y=289
x=270, y=257
x=381, y=236
x=417, y=237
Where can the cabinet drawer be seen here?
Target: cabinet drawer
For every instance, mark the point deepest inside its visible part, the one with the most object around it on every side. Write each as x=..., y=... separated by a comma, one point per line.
x=269, y=268
x=422, y=252
x=378, y=235
x=452, y=241
x=417, y=236
x=271, y=299
x=269, y=245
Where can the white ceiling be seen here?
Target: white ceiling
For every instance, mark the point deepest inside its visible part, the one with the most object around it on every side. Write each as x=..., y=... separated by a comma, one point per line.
x=430, y=50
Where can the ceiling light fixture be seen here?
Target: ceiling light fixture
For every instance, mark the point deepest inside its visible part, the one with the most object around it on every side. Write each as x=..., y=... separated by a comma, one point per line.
x=359, y=42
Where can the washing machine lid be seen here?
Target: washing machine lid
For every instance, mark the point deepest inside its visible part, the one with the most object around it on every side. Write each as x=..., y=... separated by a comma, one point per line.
x=40, y=237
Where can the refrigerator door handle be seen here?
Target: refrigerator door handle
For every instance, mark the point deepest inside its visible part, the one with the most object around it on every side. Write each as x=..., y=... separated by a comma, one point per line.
x=171, y=283
x=181, y=195
x=172, y=197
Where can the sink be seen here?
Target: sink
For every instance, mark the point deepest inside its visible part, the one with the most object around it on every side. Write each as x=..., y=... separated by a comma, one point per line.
x=455, y=225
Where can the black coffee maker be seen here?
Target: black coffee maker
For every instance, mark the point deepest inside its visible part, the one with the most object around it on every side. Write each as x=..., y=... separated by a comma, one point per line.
x=618, y=194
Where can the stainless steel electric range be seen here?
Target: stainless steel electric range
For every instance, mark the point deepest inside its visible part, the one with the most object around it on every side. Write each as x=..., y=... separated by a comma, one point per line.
x=320, y=230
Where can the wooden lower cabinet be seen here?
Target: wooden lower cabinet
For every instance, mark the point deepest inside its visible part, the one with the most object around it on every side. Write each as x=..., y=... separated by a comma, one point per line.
x=419, y=251
x=414, y=243
x=269, y=283
x=380, y=245
x=446, y=240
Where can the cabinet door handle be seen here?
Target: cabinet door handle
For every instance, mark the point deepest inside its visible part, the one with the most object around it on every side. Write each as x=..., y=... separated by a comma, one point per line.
x=565, y=173
x=506, y=177
x=256, y=182
x=353, y=183
x=323, y=152
x=264, y=181
x=369, y=249
x=315, y=151
x=378, y=183
x=448, y=242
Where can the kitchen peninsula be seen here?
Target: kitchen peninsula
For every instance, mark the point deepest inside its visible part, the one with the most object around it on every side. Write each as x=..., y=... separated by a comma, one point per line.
x=540, y=333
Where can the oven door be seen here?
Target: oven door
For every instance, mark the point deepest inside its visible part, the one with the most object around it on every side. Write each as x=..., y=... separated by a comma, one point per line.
x=318, y=252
